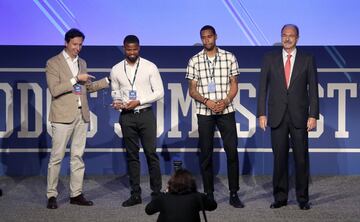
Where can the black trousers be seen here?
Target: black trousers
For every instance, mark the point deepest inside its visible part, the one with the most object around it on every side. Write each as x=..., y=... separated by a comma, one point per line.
x=227, y=127
x=280, y=144
x=141, y=126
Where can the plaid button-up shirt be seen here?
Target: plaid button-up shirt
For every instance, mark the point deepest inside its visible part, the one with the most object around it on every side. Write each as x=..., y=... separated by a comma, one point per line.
x=219, y=71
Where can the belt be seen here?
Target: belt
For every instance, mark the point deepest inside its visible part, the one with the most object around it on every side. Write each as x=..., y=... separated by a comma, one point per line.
x=136, y=111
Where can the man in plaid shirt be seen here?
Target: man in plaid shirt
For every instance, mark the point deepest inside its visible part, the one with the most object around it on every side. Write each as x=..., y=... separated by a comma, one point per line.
x=212, y=75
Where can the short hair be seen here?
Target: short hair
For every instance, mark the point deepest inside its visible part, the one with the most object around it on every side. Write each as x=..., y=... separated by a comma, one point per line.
x=208, y=27
x=73, y=33
x=131, y=39
x=182, y=182
x=293, y=26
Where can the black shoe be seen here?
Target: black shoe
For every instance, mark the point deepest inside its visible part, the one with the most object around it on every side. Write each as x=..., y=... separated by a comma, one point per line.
x=155, y=195
x=0, y=192
x=304, y=206
x=80, y=200
x=133, y=200
x=235, y=201
x=52, y=203
x=278, y=204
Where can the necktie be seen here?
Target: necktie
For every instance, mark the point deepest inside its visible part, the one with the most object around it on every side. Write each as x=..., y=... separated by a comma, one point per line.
x=287, y=70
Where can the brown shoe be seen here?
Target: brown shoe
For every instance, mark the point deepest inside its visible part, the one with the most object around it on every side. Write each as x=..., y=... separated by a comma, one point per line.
x=80, y=200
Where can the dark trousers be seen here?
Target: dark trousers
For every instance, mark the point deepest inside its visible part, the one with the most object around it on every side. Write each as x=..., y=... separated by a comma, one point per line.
x=226, y=125
x=141, y=126
x=280, y=145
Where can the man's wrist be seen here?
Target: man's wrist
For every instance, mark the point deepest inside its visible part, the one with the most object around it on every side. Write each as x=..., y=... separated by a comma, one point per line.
x=205, y=101
x=227, y=100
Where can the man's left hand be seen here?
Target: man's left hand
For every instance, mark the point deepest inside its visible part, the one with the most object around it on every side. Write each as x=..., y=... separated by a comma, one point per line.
x=132, y=104
x=220, y=106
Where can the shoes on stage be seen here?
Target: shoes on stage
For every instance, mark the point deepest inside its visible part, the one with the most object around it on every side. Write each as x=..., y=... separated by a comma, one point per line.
x=52, y=204
x=235, y=201
x=278, y=204
x=133, y=200
x=81, y=200
x=155, y=195
x=304, y=206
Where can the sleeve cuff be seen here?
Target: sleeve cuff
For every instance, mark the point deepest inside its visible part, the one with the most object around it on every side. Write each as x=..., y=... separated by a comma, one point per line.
x=73, y=81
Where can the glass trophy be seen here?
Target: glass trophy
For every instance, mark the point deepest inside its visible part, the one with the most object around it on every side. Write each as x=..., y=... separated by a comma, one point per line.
x=118, y=98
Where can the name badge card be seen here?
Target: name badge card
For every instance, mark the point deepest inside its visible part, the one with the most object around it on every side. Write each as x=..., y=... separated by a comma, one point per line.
x=77, y=89
x=211, y=87
x=132, y=94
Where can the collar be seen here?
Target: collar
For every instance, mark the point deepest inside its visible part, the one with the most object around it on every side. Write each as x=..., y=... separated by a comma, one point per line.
x=128, y=64
x=220, y=52
x=293, y=53
x=67, y=57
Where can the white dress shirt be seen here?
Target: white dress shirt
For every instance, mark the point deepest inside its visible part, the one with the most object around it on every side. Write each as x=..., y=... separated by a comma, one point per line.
x=148, y=84
x=74, y=67
x=292, y=61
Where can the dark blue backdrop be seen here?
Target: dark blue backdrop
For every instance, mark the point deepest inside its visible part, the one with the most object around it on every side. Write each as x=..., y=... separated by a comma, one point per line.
x=24, y=100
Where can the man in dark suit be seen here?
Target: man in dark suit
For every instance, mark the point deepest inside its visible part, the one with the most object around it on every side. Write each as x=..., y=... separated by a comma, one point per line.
x=289, y=82
x=69, y=84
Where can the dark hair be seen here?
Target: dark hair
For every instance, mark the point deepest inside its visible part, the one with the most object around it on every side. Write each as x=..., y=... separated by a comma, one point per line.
x=208, y=27
x=73, y=33
x=293, y=26
x=131, y=39
x=182, y=182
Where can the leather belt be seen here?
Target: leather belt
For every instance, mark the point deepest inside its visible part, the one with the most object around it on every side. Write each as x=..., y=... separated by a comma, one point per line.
x=136, y=111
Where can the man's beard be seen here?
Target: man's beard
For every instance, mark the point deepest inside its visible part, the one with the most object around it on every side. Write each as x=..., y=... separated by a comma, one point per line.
x=209, y=48
x=132, y=58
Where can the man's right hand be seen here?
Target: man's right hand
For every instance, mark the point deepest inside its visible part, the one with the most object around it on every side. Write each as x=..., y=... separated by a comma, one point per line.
x=117, y=104
x=212, y=105
x=84, y=77
x=263, y=122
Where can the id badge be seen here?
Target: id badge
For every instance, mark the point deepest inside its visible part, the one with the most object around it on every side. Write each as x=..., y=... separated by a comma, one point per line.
x=77, y=89
x=211, y=87
x=132, y=95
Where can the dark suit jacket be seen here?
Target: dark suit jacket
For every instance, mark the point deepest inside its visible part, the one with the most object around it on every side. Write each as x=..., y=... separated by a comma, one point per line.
x=177, y=207
x=64, y=103
x=301, y=98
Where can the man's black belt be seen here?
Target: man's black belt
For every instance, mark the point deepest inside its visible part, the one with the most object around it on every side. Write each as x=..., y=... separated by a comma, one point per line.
x=136, y=111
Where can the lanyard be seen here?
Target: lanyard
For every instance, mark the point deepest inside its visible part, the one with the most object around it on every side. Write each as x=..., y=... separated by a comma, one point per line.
x=213, y=67
x=133, y=82
x=78, y=65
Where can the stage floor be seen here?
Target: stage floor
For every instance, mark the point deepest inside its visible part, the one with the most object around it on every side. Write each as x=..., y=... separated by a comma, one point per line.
x=333, y=198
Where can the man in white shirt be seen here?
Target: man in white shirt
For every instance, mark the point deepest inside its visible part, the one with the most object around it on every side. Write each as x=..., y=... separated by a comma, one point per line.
x=136, y=84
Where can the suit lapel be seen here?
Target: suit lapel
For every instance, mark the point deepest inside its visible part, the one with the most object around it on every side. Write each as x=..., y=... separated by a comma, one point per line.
x=81, y=65
x=65, y=66
x=280, y=67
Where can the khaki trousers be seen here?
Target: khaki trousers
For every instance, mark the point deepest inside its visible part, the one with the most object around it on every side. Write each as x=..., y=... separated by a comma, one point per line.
x=61, y=134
